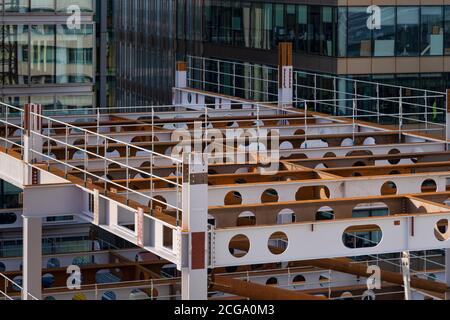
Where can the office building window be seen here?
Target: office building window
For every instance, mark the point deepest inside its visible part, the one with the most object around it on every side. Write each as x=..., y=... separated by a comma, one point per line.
x=84, y=5
x=211, y=14
x=237, y=25
x=224, y=22
x=328, y=32
x=46, y=54
x=342, y=32
x=47, y=102
x=74, y=54
x=447, y=30
x=314, y=29
x=431, y=31
x=17, y=6
x=384, y=37
x=240, y=24
x=9, y=196
x=279, y=28
x=359, y=36
x=42, y=54
x=14, y=54
x=268, y=26
x=301, y=39
x=14, y=101
x=46, y=6
x=67, y=102
x=261, y=25
x=404, y=31
x=42, y=5
x=257, y=12
x=407, y=31
x=290, y=23
x=51, y=102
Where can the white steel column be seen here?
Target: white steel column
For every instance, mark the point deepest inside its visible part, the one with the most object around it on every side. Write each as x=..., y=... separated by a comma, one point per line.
x=194, y=271
x=285, y=75
x=32, y=123
x=32, y=257
x=32, y=225
x=181, y=75
x=180, y=81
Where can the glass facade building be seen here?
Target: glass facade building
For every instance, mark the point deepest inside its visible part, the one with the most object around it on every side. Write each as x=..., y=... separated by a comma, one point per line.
x=149, y=37
x=105, y=80
x=46, y=54
x=45, y=6
x=404, y=31
x=402, y=43
x=405, y=44
x=44, y=58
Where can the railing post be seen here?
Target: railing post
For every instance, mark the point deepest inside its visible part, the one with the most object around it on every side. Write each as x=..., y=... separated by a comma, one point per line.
x=86, y=157
x=203, y=73
x=32, y=141
x=447, y=118
x=335, y=107
x=355, y=94
x=315, y=92
x=234, y=79
x=426, y=110
x=406, y=274
x=378, y=103
x=306, y=125
x=400, y=111
x=194, y=243
x=127, y=149
x=285, y=75
x=354, y=115
x=218, y=76
x=6, y=127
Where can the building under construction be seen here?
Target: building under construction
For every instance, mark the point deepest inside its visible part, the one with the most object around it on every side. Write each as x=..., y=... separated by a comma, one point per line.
x=333, y=189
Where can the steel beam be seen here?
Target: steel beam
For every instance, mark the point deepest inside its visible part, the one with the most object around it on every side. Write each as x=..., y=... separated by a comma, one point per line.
x=256, y=291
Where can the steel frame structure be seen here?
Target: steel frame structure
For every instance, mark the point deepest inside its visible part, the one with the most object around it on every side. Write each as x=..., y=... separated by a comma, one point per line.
x=135, y=274
x=149, y=176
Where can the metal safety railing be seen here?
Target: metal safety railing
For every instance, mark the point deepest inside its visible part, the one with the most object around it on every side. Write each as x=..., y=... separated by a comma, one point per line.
x=11, y=120
x=367, y=242
x=153, y=289
x=59, y=150
x=9, y=289
x=245, y=80
x=405, y=108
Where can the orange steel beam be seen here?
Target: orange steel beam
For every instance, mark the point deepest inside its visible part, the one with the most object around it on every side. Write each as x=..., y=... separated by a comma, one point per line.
x=358, y=269
x=256, y=291
x=298, y=175
x=116, y=121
